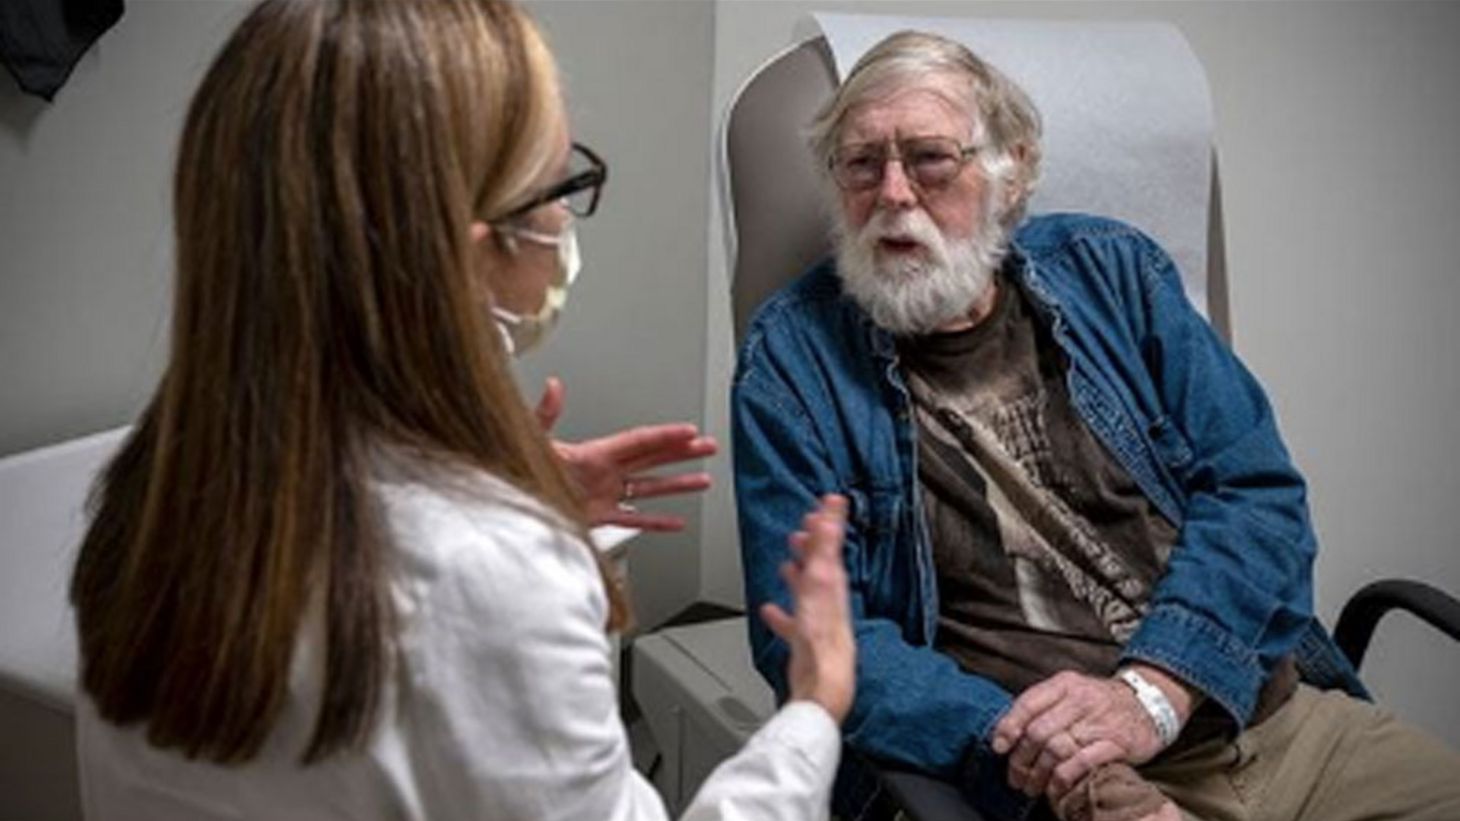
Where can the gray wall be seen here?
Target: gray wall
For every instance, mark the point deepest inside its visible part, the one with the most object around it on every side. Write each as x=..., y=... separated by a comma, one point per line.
x=85, y=232
x=1335, y=126
x=85, y=242
x=631, y=345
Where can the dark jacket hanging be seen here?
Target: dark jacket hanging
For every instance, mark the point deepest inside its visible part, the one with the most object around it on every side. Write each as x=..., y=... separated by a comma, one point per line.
x=41, y=40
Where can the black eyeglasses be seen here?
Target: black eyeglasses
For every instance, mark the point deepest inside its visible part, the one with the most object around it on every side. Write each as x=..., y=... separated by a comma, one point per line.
x=579, y=192
x=929, y=162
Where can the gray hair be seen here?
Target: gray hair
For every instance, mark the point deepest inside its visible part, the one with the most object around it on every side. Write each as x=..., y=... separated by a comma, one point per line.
x=1003, y=119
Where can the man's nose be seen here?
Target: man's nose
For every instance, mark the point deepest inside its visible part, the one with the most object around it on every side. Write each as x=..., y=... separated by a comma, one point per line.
x=896, y=189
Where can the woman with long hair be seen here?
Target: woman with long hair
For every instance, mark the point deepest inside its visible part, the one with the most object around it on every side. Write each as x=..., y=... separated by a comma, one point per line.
x=338, y=570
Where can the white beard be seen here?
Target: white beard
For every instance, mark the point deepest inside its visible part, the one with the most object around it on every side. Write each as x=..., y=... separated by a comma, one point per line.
x=915, y=294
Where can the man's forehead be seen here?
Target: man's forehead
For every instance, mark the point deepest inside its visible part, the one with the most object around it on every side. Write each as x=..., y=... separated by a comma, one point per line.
x=924, y=110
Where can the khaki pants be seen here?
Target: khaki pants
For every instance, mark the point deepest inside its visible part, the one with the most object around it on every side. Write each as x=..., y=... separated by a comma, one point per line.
x=1322, y=756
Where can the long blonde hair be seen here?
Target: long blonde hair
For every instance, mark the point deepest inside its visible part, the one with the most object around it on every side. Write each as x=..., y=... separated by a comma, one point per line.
x=332, y=162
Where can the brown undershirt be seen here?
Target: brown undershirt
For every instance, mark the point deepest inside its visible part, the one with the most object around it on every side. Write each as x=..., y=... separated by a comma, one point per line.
x=1046, y=550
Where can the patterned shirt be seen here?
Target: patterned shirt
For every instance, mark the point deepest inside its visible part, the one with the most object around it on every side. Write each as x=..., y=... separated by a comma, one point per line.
x=1045, y=548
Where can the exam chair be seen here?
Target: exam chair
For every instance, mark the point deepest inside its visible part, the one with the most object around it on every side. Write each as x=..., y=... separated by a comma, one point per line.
x=776, y=227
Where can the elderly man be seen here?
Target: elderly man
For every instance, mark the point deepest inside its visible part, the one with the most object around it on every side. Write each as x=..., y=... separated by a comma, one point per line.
x=1081, y=559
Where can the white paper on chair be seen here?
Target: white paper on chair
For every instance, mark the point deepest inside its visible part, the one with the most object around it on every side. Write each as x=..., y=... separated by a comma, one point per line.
x=1126, y=108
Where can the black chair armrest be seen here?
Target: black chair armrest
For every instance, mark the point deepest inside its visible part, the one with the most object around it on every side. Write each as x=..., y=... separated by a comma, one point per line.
x=1363, y=610
x=925, y=798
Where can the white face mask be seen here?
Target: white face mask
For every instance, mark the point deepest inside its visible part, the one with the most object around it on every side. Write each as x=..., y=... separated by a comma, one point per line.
x=521, y=334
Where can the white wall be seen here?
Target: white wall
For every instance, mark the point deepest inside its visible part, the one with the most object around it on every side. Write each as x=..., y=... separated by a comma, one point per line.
x=1335, y=130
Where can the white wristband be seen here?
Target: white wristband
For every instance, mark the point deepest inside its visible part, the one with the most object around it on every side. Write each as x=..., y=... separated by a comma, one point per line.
x=1157, y=706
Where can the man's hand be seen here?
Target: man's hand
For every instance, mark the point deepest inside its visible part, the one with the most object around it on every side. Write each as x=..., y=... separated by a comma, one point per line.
x=609, y=470
x=1115, y=790
x=1061, y=729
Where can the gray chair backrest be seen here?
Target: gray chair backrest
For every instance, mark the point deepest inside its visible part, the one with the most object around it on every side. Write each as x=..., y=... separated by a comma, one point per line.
x=780, y=223
x=777, y=220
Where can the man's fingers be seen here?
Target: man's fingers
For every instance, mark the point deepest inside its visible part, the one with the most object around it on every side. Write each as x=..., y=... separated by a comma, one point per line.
x=1022, y=759
x=1025, y=709
x=1055, y=720
x=550, y=405
x=1072, y=770
x=1055, y=752
x=1167, y=812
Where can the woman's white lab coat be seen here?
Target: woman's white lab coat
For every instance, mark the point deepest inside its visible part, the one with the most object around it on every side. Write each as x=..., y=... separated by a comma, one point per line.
x=500, y=705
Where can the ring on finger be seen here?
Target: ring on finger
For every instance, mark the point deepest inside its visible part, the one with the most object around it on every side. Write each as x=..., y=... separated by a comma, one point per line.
x=628, y=491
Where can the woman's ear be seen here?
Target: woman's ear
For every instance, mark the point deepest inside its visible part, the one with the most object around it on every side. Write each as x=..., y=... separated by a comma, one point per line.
x=486, y=243
x=504, y=241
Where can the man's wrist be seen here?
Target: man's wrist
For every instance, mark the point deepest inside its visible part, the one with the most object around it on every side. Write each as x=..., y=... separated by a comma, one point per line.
x=1157, y=706
x=1183, y=697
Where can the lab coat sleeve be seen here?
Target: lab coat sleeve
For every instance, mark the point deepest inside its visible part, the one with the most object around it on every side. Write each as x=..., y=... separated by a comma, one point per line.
x=513, y=714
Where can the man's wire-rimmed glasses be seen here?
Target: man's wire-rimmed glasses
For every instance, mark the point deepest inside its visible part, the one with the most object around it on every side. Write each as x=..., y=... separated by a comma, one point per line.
x=930, y=163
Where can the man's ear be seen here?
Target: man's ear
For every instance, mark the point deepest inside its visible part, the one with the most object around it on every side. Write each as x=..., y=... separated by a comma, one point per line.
x=1019, y=153
x=479, y=231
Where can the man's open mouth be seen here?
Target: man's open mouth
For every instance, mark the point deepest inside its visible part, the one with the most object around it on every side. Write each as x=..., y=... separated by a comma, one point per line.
x=899, y=245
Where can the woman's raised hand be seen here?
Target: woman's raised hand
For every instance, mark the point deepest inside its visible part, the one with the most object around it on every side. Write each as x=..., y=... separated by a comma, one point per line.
x=819, y=630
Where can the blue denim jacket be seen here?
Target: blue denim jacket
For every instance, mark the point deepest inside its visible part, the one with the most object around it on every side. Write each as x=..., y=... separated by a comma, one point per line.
x=820, y=406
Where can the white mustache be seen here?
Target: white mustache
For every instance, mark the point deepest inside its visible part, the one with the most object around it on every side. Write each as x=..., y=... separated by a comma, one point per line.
x=902, y=225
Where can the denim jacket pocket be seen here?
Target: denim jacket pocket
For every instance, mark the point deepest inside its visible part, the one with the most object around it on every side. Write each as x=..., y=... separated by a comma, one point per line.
x=873, y=508
x=872, y=516
x=1170, y=445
